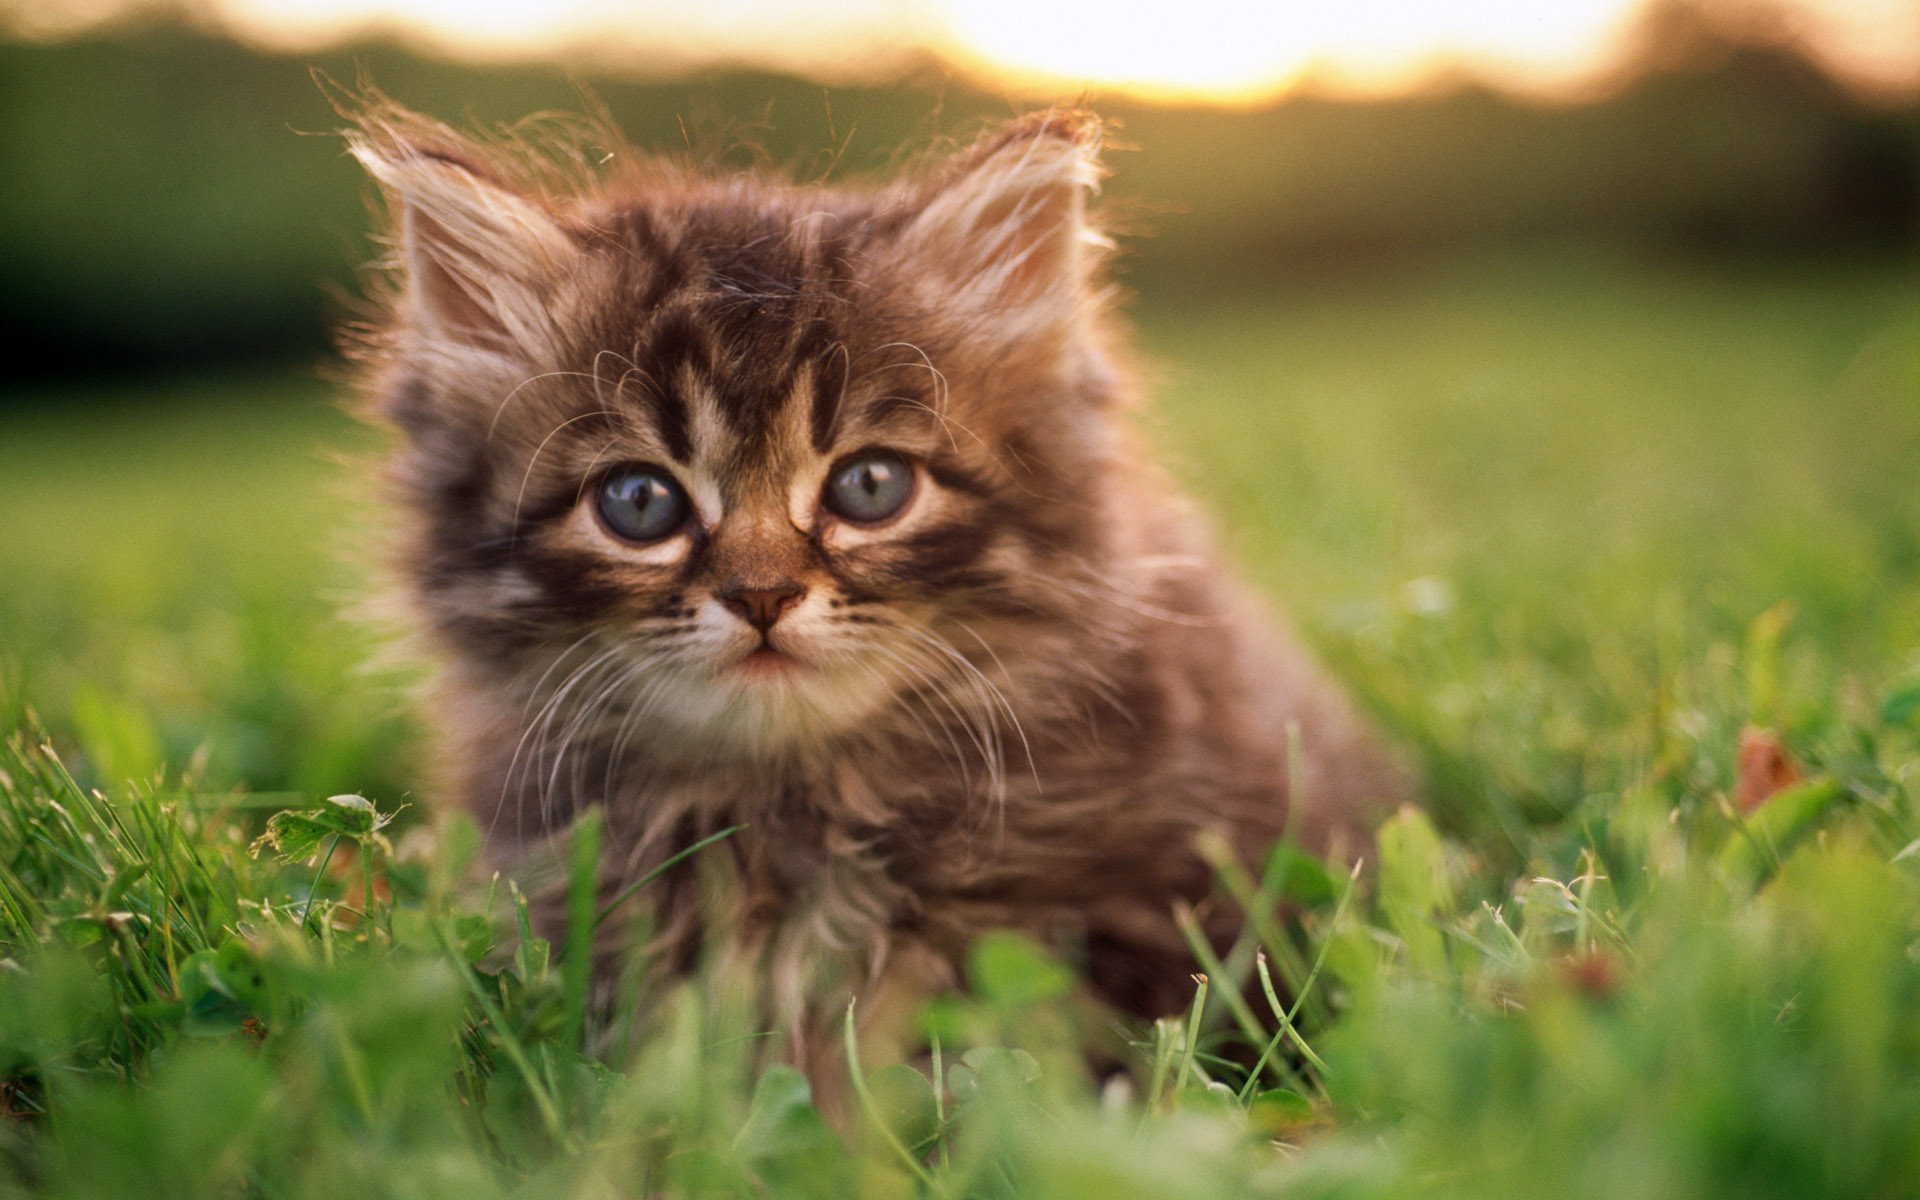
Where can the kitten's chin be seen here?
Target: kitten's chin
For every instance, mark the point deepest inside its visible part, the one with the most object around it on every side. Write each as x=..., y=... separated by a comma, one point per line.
x=766, y=704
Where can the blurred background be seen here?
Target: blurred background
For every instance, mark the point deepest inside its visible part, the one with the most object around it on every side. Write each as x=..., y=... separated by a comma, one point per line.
x=1520, y=348
x=173, y=201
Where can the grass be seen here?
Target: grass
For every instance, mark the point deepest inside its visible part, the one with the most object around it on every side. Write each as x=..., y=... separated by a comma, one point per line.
x=1569, y=523
x=176, y=560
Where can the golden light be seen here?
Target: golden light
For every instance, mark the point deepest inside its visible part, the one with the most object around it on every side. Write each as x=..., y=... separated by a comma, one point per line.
x=1212, y=51
x=841, y=39
x=1231, y=51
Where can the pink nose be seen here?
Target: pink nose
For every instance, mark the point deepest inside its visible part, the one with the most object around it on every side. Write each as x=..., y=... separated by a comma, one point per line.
x=761, y=607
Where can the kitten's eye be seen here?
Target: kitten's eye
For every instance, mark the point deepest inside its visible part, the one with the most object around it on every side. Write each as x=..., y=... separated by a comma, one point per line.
x=871, y=486
x=641, y=504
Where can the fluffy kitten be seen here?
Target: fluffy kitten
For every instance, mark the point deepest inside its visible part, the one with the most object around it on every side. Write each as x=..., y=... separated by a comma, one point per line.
x=817, y=510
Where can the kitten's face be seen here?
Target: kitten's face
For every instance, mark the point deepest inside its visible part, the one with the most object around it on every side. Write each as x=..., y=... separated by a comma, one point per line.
x=729, y=469
x=769, y=540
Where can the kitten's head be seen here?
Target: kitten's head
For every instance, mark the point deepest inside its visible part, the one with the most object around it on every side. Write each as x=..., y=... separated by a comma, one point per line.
x=739, y=463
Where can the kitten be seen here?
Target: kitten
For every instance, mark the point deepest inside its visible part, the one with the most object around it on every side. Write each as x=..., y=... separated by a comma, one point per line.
x=818, y=510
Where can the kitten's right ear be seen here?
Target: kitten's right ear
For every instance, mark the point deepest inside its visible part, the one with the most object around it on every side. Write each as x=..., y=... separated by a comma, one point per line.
x=481, y=259
x=1004, y=231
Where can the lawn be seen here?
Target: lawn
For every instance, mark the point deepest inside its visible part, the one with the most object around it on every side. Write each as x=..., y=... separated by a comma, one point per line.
x=1569, y=522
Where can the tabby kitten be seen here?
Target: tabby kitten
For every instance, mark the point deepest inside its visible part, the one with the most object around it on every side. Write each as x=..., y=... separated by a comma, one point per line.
x=817, y=510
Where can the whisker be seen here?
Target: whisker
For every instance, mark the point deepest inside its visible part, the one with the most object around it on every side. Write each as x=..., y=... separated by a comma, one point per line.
x=534, y=724
x=641, y=704
x=931, y=688
x=522, y=385
x=540, y=730
x=582, y=718
x=521, y=495
x=553, y=666
x=978, y=719
x=940, y=387
x=1025, y=747
x=985, y=729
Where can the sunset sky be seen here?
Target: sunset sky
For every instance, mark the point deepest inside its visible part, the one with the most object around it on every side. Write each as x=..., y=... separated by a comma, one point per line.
x=1226, y=51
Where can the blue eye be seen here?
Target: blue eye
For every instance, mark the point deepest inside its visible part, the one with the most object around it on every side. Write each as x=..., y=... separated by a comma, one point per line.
x=871, y=486
x=642, y=504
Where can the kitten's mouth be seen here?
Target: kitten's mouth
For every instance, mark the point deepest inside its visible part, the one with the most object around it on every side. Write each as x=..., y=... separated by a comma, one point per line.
x=767, y=663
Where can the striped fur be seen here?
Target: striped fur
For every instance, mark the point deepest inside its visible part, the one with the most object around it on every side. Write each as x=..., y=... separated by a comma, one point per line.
x=1014, y=704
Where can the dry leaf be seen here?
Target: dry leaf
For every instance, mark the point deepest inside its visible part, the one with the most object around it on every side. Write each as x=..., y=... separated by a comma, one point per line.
x=1762, y=768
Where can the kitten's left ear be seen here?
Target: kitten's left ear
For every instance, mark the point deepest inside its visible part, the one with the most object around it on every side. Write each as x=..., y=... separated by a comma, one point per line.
x=481, y=258
x=1006, y=228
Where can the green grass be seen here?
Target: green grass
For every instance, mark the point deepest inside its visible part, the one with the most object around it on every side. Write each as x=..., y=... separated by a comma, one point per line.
x=177, y=561
x=1568, y=523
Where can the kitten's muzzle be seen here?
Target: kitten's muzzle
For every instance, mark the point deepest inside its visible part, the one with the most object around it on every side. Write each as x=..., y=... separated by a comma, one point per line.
x=760, y=607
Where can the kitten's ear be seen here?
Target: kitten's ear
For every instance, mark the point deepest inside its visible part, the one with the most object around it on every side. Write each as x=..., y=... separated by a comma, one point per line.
x=1007, y=224
x=480, y=257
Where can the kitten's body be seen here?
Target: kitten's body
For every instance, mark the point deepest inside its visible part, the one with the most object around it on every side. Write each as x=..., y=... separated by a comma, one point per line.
x=1011, y=702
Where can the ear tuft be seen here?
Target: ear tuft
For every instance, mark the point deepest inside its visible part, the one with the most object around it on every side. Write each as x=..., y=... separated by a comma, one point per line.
x=1008, y=220
x=479, y=255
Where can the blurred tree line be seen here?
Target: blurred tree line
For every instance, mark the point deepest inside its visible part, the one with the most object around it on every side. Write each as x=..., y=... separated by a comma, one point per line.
x=173, y=198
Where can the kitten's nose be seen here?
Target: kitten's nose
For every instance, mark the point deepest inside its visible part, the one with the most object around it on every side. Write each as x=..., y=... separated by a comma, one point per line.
x=761, y=607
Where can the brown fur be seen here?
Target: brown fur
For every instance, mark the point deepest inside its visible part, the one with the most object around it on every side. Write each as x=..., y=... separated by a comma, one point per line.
x=1013, y=705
